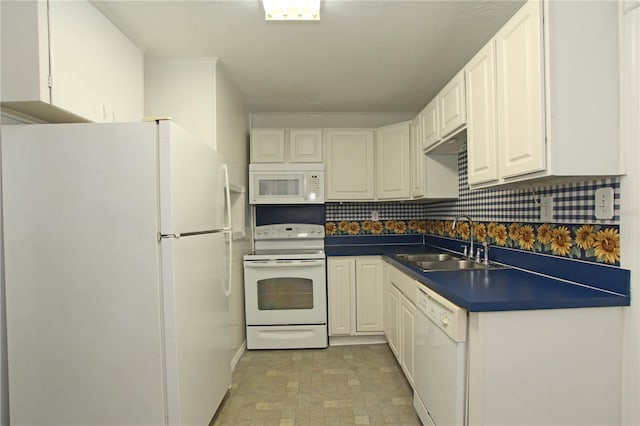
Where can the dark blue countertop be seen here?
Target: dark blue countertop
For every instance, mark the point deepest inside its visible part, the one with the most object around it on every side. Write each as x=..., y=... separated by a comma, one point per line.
x=507, y=289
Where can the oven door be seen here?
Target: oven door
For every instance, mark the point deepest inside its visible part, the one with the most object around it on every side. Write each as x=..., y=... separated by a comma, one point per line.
x=285, y=292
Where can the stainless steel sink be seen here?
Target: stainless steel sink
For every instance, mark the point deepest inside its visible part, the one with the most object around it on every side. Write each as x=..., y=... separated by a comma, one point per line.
x=445, y=262
x=424, y=257
x=451, y=265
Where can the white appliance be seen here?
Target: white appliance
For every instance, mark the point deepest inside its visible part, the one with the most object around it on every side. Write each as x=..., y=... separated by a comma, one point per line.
x=301, y=183
x=285, y=288
x=440, y=360
x=116, y=275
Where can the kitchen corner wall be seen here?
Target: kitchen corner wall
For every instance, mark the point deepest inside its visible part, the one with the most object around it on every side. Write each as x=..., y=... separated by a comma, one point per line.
x=198, y=96
x=508, y=218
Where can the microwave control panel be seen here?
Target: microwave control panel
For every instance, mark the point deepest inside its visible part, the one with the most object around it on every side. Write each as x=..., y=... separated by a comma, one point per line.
x=314, y=181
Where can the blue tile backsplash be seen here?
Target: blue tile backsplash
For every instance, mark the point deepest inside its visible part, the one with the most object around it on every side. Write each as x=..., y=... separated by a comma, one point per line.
x=507, y=218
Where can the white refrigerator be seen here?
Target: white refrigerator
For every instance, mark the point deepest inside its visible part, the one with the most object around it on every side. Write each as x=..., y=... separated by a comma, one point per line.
x=116, y=274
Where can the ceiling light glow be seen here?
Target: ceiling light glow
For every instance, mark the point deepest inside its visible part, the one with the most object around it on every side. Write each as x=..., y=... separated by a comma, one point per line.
x=291, y=10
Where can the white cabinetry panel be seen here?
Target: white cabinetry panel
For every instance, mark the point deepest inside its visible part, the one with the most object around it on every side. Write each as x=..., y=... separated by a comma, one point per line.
x=520, y=92
x=267, y=146
x=451, y=106
x=482, y=116
x=393, y=165
x=349, y=165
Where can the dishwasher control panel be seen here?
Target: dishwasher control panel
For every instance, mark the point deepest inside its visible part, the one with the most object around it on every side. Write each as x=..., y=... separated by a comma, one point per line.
x=447, y=316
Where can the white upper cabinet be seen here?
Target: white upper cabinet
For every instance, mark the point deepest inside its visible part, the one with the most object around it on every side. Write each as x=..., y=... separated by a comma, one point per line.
x=267, y=146
x=305, y=146
x=286, y=146
x=557, y=96
x=482, y=141
x=70, y=64
x=349, y=168
x=429, y=124
x=417, y=161
x=451, y=106
x=445, y=115
x=520, y=93
x=393, y=165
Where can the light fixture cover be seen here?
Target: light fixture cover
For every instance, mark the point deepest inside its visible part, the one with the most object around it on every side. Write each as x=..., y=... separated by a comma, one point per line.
x=291, y=10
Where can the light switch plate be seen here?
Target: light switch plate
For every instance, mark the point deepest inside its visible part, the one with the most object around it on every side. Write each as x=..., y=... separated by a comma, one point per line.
x=546, y=208
x=604, y=203
x=375, y=215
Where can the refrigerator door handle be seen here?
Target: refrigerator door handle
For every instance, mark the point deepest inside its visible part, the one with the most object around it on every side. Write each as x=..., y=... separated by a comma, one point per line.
x=227, y=194
x=229, y=282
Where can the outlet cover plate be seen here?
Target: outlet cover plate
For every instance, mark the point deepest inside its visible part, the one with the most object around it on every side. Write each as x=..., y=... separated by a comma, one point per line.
x=546, y=208
x=604, y=203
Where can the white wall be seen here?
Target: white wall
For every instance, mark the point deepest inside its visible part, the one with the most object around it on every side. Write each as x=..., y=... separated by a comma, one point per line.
x=185, y=90
x=232, y=136
x=630, y=206
x=199, y=97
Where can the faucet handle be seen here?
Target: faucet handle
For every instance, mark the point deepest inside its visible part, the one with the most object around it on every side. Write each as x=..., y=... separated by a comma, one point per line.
x=486, y=253
x=464, y=251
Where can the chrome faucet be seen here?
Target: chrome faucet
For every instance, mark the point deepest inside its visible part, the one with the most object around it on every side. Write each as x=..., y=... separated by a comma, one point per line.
x=453, y=227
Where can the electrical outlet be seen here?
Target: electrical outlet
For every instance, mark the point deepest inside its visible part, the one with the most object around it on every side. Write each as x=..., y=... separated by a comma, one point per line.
x=375, y=215
x=546, y=208
x=604, y=203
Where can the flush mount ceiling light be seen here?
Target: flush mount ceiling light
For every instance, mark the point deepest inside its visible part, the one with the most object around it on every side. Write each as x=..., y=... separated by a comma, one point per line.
x=291, y=10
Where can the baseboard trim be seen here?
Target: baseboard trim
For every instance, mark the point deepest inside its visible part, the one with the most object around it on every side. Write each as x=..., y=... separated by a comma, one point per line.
x=238, y=355
x=356, y=340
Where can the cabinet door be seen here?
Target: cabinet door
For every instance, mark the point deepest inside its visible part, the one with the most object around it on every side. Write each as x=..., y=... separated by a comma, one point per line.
x=393, y=171
x=451, y=106
x=417, y=161
x=429, y=124
x=341, y=275
x=369, y=295
x=482, y=141
x=267, y=146
x=305, y=146
x=97, y=72
x=520, y=90
x=349, y=165
x=407, y=340
x=392, y=318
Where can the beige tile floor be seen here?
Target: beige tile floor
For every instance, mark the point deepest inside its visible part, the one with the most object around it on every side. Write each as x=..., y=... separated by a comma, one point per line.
x=340, y=385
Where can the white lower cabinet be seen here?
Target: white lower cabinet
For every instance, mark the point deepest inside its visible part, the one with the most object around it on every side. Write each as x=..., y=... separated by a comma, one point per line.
x=392, y=317
x=407, y=336
x=355, y=288
x=400, y=313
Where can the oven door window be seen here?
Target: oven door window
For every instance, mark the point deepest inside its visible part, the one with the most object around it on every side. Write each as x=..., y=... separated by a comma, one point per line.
x=285, y=293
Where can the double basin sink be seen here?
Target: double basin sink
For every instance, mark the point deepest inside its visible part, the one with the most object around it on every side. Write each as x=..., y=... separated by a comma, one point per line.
x=444, y=262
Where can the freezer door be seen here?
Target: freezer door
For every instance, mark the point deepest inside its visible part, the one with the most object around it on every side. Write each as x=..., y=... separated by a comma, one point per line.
x=191, y=176
x=197, y=332
x=82, y=274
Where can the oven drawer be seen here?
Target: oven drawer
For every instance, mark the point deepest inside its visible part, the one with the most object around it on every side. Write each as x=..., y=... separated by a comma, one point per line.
x=287, y=337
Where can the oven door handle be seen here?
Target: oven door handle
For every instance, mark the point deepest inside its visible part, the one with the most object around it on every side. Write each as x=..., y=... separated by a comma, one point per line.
x=283, y=263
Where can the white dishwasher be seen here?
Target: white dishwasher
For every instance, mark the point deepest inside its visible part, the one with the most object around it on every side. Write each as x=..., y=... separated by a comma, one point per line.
x=440, y=360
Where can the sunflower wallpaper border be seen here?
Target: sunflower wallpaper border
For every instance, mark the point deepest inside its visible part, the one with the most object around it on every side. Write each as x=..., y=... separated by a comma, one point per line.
x=588, y=242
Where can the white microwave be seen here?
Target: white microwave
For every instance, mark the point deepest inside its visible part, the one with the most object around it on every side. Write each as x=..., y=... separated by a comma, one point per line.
x=288, y=183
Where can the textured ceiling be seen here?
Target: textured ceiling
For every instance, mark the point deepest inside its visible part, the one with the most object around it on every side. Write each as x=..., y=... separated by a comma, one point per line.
x=363, y=56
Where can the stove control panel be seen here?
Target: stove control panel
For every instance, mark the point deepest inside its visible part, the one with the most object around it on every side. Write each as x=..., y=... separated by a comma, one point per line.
x=288, y=231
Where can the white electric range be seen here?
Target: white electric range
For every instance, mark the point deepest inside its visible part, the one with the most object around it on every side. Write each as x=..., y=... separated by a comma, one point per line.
x=285, y=288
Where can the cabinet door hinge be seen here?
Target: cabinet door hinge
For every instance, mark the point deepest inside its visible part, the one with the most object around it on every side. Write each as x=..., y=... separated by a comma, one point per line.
x=49, y=82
